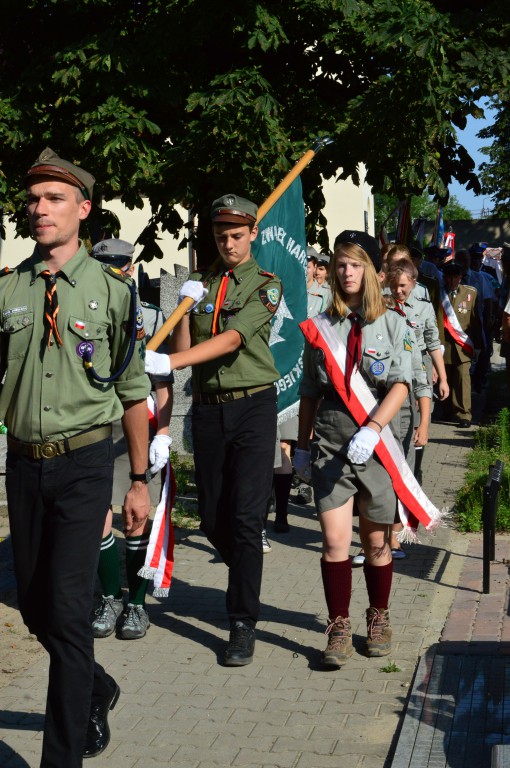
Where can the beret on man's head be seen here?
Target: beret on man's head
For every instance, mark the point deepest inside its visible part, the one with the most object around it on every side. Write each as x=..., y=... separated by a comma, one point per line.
x=368, y=243
x=436, y=253
x=477, y=249
x=232, y=209
x=113, y=251
x=50, y=164
x=452, y=267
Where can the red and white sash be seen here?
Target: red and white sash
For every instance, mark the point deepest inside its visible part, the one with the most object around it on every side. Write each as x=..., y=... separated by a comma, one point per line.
x=414, y=506
x=452, y=325
x=159, y=558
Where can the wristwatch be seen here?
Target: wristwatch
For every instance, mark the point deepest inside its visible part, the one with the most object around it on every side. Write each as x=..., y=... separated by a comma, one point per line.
x=144, y=477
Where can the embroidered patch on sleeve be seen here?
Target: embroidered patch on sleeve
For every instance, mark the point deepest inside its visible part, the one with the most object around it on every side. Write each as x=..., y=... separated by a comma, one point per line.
x=408, y=344
x=270, y=298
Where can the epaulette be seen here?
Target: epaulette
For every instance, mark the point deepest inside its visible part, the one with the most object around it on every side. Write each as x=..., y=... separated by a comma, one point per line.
x=118, y=274
x=5, y=271
x=265, y=273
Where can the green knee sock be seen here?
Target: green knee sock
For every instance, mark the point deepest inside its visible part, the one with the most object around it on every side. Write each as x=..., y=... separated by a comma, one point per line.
x=108, y=568
x=136, y=548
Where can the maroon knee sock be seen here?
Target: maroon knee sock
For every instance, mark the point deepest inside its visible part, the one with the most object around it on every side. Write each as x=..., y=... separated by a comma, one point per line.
x=337, y=581
x=378, y=579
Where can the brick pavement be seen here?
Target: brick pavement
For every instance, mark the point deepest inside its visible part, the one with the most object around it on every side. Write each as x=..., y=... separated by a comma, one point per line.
x=180, y=707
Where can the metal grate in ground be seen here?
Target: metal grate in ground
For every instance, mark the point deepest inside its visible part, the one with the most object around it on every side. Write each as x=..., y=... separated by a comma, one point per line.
x=458, y=710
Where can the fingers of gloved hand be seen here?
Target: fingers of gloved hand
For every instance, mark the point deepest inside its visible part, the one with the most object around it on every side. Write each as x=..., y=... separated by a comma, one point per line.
x=362, y=445
x=157, y=364
x=159, y=451
x=302, y=464
x=193, y=289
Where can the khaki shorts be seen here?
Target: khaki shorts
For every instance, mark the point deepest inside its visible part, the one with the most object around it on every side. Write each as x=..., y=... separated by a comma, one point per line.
x=335, y=480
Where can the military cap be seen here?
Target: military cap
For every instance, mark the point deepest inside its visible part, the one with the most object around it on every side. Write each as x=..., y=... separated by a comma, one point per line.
x=436, y=253
x=50, y=164
x=323, y=259
x=113, y=251
x=477, y=249
x=368, y=243
x=415, y=252
x=452, y=267
x=232, y=209
x=311, y=253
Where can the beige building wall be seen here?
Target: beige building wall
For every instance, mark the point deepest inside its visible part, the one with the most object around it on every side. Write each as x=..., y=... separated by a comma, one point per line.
x=347, y=207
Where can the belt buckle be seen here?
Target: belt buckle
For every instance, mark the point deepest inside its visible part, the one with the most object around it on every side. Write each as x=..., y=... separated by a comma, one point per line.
x=226, y=397
x=48, y=450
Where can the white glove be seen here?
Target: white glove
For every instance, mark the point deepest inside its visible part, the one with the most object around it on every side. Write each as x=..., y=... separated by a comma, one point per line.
x=362, y=445
x=193, y=289
x=159, y=451
x=302, y=464
x=157, y=364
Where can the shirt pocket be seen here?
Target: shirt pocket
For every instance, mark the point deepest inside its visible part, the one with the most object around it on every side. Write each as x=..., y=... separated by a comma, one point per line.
x=92, y=337
x=19, y=328
x=376, y=362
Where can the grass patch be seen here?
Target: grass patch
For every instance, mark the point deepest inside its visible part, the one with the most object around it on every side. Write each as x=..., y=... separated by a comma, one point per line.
x=391, y=667
x=492, y=442
x=184, y=511
x=183, y=472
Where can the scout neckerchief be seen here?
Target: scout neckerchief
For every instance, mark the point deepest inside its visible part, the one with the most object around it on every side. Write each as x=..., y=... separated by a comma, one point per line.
x=220, y=298
x=413, y=504
x=452, y=325
x=159, y=558
x=51, y=306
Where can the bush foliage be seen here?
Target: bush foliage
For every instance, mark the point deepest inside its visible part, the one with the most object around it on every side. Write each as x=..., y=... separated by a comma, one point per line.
x=491, y=443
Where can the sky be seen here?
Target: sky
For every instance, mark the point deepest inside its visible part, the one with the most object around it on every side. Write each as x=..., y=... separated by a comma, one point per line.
x=474, y=203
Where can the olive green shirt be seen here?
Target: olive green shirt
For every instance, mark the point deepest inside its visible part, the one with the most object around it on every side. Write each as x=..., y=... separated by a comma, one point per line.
x=47, y=394
x=250, y=302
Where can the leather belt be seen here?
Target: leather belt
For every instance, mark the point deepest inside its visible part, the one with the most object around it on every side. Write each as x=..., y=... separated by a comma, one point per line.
x=57, y=447
x=215, y=398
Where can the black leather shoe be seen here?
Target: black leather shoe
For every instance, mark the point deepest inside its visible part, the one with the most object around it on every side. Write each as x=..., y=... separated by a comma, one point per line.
x=98, y=732
x=241, y=645
x=464, y=423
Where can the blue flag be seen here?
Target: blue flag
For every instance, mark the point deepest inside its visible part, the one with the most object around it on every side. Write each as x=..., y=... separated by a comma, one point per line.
x=280, y=248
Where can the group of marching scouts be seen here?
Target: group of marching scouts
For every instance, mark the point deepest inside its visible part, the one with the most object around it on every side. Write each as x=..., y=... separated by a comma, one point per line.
x=403, y=328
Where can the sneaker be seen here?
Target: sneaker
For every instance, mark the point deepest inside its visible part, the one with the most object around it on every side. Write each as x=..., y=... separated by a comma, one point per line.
x=266, y=546
x=398, y=553
x=304, y=494
x=106, y=616
x=378, y=632
x=135, y=624
x=339, y=647
x=241, y=645
x=358, y=559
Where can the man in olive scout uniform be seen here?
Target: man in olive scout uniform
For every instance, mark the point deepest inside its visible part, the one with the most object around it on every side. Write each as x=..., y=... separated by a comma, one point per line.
x=226, y=340
x=53, y=306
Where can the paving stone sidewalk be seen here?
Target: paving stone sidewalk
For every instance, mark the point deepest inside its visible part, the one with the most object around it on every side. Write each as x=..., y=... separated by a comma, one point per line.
x=179, y=707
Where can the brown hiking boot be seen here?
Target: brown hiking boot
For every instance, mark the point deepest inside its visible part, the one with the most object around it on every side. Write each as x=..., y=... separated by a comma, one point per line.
x=378, y=632
x=339, y=647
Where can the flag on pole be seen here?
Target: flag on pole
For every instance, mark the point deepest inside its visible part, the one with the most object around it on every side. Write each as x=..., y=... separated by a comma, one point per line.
x=438, y=236
x=280, y=248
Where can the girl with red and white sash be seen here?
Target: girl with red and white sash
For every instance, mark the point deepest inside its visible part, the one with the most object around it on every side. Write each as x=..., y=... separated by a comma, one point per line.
x=357, y=375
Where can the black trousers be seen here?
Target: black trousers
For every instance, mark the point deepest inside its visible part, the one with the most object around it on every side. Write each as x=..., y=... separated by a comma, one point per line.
x=57, y=509
x=233, y=447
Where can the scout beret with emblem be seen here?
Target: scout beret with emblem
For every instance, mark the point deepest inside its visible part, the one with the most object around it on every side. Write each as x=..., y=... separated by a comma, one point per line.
x=234, y=210
x=478, y=248
x=50, y=164
x=452, y=268
x=368, y=243
x=113, y=251
x=311, y=253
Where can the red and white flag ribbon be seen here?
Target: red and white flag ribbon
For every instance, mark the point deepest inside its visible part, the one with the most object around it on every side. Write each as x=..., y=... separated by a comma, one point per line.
x=413, y=504
x=452, y=325
x=159, y=559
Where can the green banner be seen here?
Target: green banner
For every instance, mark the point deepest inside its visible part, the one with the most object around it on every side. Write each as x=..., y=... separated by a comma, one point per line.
x=280, y=248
